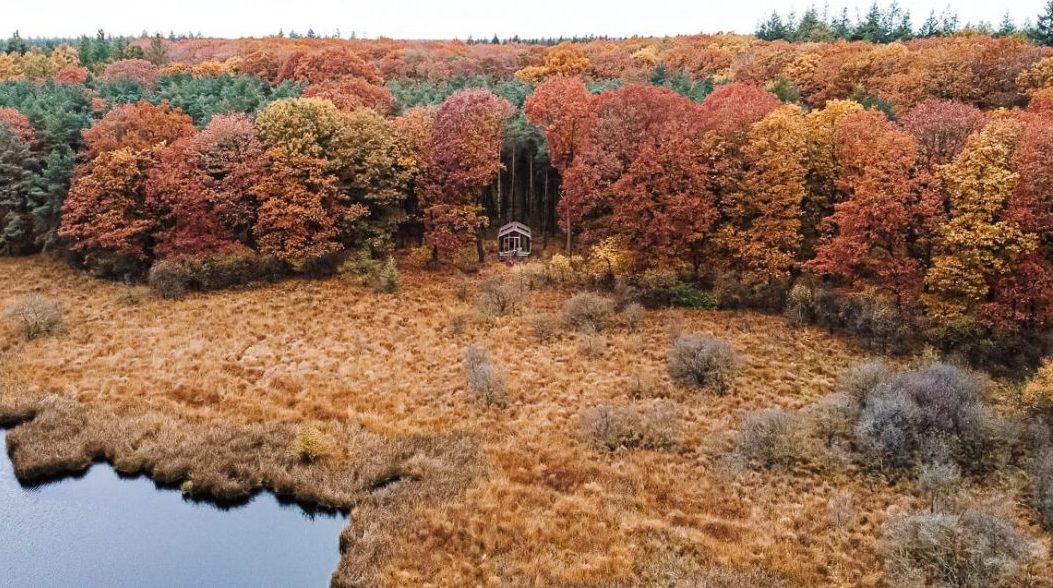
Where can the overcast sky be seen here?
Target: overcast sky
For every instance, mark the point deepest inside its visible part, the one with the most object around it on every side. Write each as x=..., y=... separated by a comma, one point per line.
x=430, y=19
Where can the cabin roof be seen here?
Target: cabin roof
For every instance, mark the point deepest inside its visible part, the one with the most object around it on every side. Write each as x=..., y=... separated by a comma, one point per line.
x=514, y=227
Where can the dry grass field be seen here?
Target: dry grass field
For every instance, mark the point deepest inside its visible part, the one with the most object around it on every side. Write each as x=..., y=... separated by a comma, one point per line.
x=219, y=388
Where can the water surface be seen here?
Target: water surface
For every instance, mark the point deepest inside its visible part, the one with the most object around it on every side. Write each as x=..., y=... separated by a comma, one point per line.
x=104, y=530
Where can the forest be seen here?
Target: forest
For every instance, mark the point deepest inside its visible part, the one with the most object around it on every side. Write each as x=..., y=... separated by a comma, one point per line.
x=786, y=322
x=862, y=185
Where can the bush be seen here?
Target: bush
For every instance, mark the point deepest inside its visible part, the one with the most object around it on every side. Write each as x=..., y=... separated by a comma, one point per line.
x=685, y=295
x=703, y=361
x=36, y=315
x=632, y=315
x=833, y=417
x=310, y=445
x=544, y=326
x=565, y=270
x=588, y=312
x=499, y=297
x=486, y=383
x=773, y=437
x=1043, y=471
x=388, y=279
x=905, y=416
x=592, y=345
x=977, y=548
x=173, y=278
x=733, y=290
x=170, y=279
x=653, y=425
x=938, y=478
x=863, y=377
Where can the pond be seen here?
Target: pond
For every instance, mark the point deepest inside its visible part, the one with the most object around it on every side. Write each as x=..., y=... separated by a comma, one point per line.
x=102, y=529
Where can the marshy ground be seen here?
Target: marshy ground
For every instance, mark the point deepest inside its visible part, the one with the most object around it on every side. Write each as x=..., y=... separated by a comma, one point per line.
x=329, y=392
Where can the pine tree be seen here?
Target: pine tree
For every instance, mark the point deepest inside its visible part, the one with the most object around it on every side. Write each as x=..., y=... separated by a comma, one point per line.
x=1007, y=27
x=16, y=45
x=842, y=27
x=772, y=29
x=1043, y=32
x=931, y=26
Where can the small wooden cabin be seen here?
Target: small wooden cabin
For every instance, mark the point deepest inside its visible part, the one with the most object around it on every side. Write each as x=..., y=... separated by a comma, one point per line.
x=513, y=241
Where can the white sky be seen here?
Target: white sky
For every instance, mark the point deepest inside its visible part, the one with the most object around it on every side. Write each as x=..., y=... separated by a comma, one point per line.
x=429, y=19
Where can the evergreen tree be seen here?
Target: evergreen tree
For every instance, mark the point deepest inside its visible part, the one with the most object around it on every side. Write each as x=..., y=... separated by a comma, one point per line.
x=1007, y=27
x=931, y=26
x=842, y=27
x=16, y=45
x=773, y=28
x=1043, y=31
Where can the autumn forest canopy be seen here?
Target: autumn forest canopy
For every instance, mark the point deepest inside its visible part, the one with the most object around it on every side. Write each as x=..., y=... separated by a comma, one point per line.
x=869, y=175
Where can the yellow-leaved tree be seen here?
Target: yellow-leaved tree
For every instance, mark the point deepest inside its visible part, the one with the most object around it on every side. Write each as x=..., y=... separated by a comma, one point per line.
x=976, y=243
x=761, y=233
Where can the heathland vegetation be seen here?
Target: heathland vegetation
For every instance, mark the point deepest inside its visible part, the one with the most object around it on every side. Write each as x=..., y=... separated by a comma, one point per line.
x=680, y=388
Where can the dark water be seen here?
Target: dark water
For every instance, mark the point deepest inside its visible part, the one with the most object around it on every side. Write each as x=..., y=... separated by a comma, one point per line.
x=104, y=530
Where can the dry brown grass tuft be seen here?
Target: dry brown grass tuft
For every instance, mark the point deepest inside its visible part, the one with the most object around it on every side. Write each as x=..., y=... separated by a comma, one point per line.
x=446, y=492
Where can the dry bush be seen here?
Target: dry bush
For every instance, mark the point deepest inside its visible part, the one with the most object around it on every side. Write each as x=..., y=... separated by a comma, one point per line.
x=939, y=479
x=863, y=377
x=841, y=510
x=460, y=321
x=35, y=315
x=1038, y=394
x=310, y=445
x=588, y=312
x=531, y=275
x=910, y=416
x=653, y=425
x=833, y=417
x=633, y=315
x=592, y=345
x=703, y=361
x=773, y=437
x=486, y=382
x=642, y=386
x=1043, y=496
x=133, y=295
x=565, y=270
x=500, y=296
x=544, y=326
x=977, y=548
x=170, y=279
x=420, y=257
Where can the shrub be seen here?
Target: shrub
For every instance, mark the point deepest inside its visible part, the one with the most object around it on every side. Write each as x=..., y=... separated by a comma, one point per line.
x=531, y=275
x=592, y=345
x=653, y=425
x=833, y=417
x=1038, y=394
x=938, y=478
x=310, y=445
x=36, y=315
x=1043, y=472
x=609, y=260
x=633, y=314
x=863, y=377
x=904, y=416
x=500, y=296
x=486, y=383
x=420, y=257
x=684, y=295
x=703, y=361
x=388, y=278
x=773, y=437
x=586, y=311
x=544, y=326
x=977, y=548
x=169, y=279
x=733, y=290
x=841, y=510
x=563, y=269
x=459, y=321
x=133, y=295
